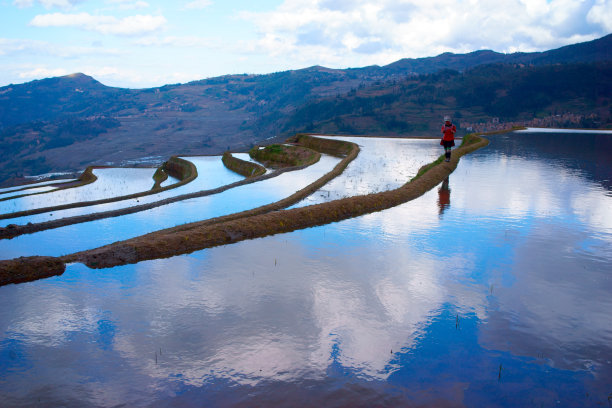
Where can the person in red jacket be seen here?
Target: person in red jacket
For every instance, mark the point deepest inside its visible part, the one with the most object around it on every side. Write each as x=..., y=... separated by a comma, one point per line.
x=448, y=140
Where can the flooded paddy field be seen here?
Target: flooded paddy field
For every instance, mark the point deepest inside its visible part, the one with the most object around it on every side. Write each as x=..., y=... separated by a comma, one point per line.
x=88, y=235
x=211, y=174
x=491, y=290
x=20, y=192
x=111, y=182
x=383, y=164
x=6, y=190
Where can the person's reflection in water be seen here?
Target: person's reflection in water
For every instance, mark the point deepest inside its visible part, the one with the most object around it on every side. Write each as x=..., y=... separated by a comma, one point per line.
x=443, y=196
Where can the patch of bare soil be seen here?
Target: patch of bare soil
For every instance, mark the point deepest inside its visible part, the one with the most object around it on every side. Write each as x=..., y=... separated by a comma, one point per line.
x=31, y=268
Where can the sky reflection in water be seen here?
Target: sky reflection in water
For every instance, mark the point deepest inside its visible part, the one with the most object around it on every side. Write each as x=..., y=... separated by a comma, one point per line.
x=111, y=182
x=78, y=237
x=382, y=164
x=211, y=174
x=502, y=299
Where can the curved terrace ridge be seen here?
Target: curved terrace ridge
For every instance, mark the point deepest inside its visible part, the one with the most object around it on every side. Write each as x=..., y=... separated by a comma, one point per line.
x=242, y=167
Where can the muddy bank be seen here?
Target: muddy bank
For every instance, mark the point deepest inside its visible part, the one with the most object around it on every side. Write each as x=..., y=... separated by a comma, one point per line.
x=242, y=167
x=159, y=177
x=197, y=236
x=178, y=168
x=31, y=268
x=13, y=230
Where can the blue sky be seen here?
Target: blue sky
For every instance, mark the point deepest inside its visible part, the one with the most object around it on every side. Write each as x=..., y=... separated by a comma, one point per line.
x=144, y=43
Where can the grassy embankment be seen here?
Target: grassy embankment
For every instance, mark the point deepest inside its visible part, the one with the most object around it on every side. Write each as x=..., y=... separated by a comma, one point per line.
x=178, y=168
x=242, y=167
x=159, y=177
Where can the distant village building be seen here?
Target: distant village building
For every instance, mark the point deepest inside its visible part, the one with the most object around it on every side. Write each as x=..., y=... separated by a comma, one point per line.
x=565, y=120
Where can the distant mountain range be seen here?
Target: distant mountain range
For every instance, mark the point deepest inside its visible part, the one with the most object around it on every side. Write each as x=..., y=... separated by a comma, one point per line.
x=66, y=123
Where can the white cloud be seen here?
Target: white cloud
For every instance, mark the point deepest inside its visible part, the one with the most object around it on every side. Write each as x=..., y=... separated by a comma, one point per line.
x=198, y=4
x=9, y=46
x=42, y=72
x=131, y=25
x=129, y=4
x=601, y=14
x=178, y=41
x=381, y=31
x=65, y=4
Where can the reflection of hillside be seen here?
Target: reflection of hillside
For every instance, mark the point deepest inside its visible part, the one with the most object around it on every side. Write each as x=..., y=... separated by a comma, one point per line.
x=589, y=154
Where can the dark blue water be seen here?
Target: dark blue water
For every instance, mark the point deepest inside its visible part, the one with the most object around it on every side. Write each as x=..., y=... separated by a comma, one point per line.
x=492, y=290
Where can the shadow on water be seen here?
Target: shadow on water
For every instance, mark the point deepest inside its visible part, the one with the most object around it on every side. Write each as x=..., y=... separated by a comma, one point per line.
x=502, y=300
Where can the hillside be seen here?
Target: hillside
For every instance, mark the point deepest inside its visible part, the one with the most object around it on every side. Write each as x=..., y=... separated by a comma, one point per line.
x=510, y=93
x=65, y=123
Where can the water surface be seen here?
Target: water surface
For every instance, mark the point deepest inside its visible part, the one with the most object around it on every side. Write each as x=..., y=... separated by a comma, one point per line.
x=111, y=182
x=382, y=164
x=88, y=235
x=34, y=185
x=211, y=174
x=491, y=290
x=15, y=193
